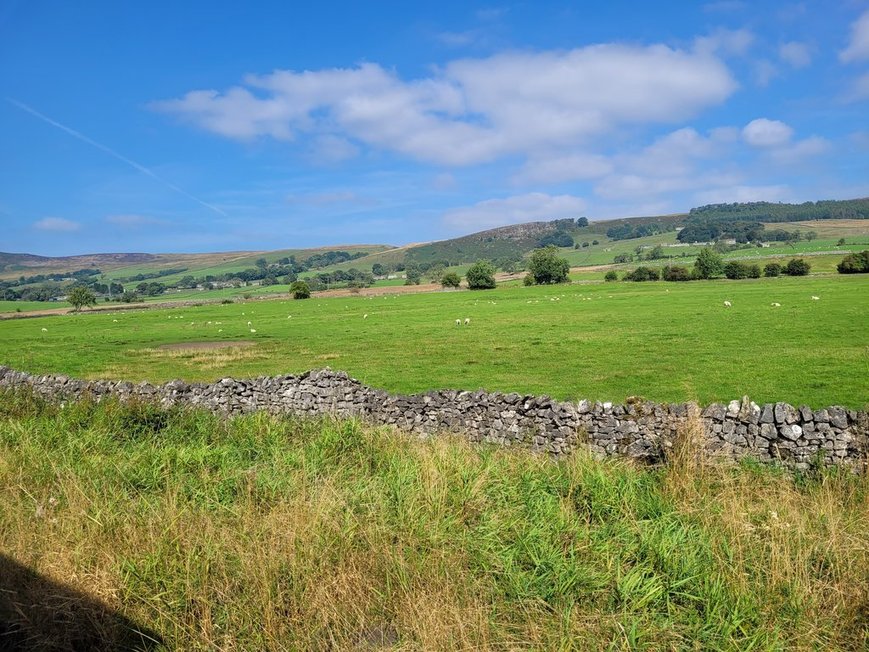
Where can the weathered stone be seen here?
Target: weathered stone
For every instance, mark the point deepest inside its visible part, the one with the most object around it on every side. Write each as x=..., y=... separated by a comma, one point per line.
x=766, y=414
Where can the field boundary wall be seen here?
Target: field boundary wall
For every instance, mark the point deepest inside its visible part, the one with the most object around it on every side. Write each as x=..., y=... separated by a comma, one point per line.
x=796, y=437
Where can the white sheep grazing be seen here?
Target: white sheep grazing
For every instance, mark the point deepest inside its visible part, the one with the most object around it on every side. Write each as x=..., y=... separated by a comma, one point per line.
x=253, y=330
x=467, y=320
x=249, y=324
x=115, y=321
x=727, y=304
x=44, y=330
x=458, y=322
x=775, y=305
x=814, y=298
x=365, y=316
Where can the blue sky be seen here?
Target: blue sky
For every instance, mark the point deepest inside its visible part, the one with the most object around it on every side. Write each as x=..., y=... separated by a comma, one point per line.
x=191, y=126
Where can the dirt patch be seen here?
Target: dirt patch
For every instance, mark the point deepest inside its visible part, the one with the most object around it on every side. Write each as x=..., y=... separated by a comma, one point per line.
x=204, y=346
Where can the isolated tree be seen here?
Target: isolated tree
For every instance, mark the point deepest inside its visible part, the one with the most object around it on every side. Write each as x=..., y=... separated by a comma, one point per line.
x=413, y=274
x=481, y=275
x=611, y=276
x=545, y=266
x=841, y=242
x=451, y=280
x=708, y=264
x=772, y=269
x=811, y=235
x=300, y=290
x=797, y=267
x=80, y=296
x=377, y=269
x=582, y=221
x=857, y=263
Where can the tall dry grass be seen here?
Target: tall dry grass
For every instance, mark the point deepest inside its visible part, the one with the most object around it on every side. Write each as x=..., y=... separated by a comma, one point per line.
x=268, y=533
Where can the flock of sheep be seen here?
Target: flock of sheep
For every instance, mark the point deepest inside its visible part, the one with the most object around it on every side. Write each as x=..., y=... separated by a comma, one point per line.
x=774, y=304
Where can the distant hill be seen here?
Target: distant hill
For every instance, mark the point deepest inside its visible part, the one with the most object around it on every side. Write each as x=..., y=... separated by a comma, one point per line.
x=499, y=244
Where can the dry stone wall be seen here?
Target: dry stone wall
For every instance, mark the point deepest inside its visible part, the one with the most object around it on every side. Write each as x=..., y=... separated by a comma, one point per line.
x=794, y=437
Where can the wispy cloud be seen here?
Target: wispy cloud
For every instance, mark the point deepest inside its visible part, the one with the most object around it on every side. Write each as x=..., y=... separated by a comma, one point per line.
x=58, y=224
x=513, y=210
x=858, y=46
x=108, y=150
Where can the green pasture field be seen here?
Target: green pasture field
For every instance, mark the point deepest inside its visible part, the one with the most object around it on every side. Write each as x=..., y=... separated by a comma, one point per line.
x=25, y=306
x=607, y=341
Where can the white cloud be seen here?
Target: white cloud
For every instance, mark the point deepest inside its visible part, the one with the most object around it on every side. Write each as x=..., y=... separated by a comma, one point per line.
x=472, y=110
x=858, y=47
x=669, y=164
x=557, y=168
x=801, y=150
x=741, y=193
x=796, y=54
x=766, y=133
x=532, y=207
x=329, y=149
x=725, y=41
x=764, y=71
x=59, y=224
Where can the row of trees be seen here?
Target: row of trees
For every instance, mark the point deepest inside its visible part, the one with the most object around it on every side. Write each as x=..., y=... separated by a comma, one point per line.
x=709, y=265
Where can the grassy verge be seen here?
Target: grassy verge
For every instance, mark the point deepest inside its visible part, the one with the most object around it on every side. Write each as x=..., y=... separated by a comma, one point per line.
x=267, y=533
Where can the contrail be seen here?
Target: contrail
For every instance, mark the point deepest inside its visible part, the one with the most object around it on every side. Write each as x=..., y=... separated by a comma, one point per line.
x=108, y=150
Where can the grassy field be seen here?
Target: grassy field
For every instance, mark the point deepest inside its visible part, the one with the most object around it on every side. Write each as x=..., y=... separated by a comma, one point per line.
x=264, y=533
x=607, y=341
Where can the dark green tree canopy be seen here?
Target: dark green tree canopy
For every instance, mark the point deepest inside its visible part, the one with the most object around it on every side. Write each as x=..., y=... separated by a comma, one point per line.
x=545, y=266
x=481, y=276
x=709, y=264
x=80, y=296
x=451, y=280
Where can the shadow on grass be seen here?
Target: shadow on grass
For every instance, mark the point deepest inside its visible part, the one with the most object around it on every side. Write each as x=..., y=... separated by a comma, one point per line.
x=40, y=614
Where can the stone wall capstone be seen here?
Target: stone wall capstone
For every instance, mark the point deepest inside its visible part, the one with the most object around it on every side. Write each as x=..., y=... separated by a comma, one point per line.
x=794, y=437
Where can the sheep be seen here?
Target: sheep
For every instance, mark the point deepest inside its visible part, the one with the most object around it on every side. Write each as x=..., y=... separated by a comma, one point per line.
x=253, y=330
x=458, y=322
x=727, y=304
x=44, y=330
x=249, y=324
x=365, y=316
x=775, y=304
x=814, y=298
x=114, y=321
x=467, y=320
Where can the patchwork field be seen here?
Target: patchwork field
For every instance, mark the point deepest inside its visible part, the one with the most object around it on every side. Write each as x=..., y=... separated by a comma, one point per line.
x=663, y=341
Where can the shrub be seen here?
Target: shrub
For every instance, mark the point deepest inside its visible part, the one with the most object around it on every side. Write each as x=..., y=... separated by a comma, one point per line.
x=594, y=242
x=855, y=263
x=735, y=270
x=611, y=276
x=300, y=290
x=227, y=301
x=545, y=266
x=623, y=258
x=772, y=269
x=451, y=280
x=708, y=264
x=754, y=271
x=558, y=239
x=676, y=273
x=585, y=244
x=528, y=280
x=797, y=267
x=481, y=276
x=642, y=274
